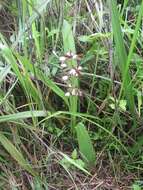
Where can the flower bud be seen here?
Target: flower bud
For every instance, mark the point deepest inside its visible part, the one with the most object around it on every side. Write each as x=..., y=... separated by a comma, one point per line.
x=67, y=94
x=73, y=72
x=75, y=56
x=74, y=92
x=63, y=65
x=79, y=68
x=65, y=78
x=62, y=59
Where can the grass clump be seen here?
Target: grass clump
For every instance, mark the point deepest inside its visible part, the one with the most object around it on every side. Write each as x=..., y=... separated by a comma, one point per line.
x=71, y=94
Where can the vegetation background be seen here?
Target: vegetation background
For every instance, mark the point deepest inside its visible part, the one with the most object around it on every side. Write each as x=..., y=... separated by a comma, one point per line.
x=71, y=98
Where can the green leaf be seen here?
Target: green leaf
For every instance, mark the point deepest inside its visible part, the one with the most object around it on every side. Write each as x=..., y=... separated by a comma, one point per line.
x=27, y=84
x=68, y=39
x=74, y=154
x=112, y=106
x=28, y=66
x=22, y=115
x=16, y=154
x=85, y=144
x=136, y=187
x=84, y=38
x=74, y=163
x=92, y=37
x=122, y=55
x=80, y=162
x=122, y=104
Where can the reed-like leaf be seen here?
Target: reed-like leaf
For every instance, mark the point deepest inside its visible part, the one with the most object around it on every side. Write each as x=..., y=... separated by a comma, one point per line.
x=11, y=149
x=122, y=55
x=22, y=115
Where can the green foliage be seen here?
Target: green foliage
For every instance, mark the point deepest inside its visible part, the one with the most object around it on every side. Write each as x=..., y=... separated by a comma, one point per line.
x=85, y=144
x=41, y=129
x=67, y=161
x=122, y=55
x=115, y=103
x=16, y=154
x=136, y=187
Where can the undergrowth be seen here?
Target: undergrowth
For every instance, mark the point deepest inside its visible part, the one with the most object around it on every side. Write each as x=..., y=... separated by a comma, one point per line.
x=71, y=94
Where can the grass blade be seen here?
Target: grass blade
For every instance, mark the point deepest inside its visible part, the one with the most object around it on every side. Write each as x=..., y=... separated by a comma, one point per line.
x=22, y=115
x=71, y=161
x=40, y=76
x=122, y=55
x=133, y=43
x=22, y=75
x=16, y=154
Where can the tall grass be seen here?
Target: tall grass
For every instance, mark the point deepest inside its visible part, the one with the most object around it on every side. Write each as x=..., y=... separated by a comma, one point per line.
x=122, y=54
x=41, y=129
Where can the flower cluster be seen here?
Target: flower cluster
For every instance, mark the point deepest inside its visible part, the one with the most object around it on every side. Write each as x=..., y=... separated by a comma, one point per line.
x=70, y=72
